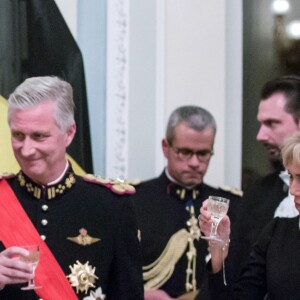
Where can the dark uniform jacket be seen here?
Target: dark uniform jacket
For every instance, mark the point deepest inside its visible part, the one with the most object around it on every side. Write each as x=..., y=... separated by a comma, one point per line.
x=103, y=215
x=161, y=213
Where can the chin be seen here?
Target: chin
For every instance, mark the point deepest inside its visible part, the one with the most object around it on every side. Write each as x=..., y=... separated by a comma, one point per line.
x=192, y=182
x=32, y=172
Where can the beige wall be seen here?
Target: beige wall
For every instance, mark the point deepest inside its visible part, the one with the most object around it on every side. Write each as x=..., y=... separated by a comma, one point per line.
x=202, y=52
x=185, y=52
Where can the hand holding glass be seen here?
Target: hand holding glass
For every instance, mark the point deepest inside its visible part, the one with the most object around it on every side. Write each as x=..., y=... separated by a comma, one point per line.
x=32, y=258
x=218, y=208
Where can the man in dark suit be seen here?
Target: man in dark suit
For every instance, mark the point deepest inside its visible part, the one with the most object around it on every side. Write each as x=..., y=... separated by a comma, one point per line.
x=168, y=206
x=87, y=234
x=268, y=197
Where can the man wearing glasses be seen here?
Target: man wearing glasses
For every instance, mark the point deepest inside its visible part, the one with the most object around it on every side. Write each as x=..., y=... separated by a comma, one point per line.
x=167, y=208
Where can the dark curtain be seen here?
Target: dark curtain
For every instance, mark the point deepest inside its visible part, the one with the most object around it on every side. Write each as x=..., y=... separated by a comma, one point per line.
x=44, y=45
x=11, y=50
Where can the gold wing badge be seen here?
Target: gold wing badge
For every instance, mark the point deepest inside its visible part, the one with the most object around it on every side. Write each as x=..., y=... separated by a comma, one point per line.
x=83, y=238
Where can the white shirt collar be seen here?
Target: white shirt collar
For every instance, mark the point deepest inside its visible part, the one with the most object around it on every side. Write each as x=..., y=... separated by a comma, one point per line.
x=61, y=176
x=286, y=208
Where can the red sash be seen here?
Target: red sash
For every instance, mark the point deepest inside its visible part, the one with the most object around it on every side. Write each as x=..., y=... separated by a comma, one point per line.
x=16, y=230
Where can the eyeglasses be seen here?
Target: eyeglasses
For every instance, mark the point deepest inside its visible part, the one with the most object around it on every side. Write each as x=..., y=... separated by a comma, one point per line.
x=186, y=154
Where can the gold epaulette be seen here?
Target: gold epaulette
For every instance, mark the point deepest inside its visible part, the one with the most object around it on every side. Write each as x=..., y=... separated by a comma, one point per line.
x=231, y=189
x=7, y=175
x=117, y=186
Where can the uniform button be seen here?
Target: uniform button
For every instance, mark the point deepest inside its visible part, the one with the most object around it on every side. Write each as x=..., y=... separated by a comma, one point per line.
x=44, y=222
x=44, y=207
x=43, y=237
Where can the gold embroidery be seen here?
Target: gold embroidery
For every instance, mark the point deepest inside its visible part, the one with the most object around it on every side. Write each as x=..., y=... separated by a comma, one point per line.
x=118, y=186
x=51, y=192
x=157, y=273
x=83, y=238
x=181, y=192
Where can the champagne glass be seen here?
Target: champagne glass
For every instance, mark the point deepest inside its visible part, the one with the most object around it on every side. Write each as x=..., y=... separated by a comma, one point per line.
x=218, y=207
x=33, y=259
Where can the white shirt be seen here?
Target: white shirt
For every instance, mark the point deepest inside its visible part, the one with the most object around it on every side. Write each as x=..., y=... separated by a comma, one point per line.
x=286, y=208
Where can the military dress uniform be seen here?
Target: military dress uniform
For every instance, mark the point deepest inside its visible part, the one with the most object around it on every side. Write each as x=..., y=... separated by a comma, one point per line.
x=88, y=228
x=173, y=254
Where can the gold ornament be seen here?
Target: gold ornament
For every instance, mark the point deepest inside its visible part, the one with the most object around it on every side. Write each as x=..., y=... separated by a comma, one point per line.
x=182, y=241
x=158, y=272
x=51, y=191
x=118, y=186
x=82, y=277
x=83, y=238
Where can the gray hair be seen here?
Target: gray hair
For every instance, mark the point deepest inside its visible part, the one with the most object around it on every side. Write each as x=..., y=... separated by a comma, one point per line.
x=38, y=90
x=291, y=149
x=194, y=117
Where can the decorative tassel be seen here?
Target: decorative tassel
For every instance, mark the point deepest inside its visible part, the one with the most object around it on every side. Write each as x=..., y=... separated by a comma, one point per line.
x=157, y=273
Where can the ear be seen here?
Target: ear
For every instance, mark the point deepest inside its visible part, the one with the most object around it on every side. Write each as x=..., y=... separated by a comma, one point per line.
x=70, y=133
x=165, y=147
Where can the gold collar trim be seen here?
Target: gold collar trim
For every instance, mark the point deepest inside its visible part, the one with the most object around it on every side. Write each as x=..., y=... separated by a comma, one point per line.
x=46, y=192
x=181, y=192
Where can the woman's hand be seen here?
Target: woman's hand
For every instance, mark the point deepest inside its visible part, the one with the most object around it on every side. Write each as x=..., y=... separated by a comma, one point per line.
x=205, y=224
x=218, y=250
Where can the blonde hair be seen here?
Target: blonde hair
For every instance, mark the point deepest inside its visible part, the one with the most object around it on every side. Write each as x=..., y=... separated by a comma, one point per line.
x=290, y=151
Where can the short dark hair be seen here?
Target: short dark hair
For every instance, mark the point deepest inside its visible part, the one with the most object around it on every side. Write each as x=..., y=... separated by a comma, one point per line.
x=194, y=117
x=288, y=85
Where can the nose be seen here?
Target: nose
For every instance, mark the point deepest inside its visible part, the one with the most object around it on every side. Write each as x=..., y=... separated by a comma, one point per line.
x=194, y=161
x=262, y=134
x=27, y=147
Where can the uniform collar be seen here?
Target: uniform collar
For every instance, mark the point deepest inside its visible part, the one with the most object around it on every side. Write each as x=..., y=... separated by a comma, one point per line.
x=50, y=191
x=181, y=192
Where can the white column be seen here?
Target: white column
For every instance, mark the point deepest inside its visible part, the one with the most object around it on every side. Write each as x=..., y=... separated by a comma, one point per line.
x=117, y=88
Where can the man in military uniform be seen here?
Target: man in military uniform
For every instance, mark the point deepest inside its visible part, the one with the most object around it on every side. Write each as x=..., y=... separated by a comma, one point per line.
x=86, y=233
x=168, y=206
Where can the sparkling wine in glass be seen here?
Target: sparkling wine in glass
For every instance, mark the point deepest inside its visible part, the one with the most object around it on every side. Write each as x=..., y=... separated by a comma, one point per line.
x=218, y=207
x=32, y=258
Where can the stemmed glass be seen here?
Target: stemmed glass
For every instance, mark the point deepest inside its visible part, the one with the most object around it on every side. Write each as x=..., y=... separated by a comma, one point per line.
x=218, y=207
x=32, y=258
